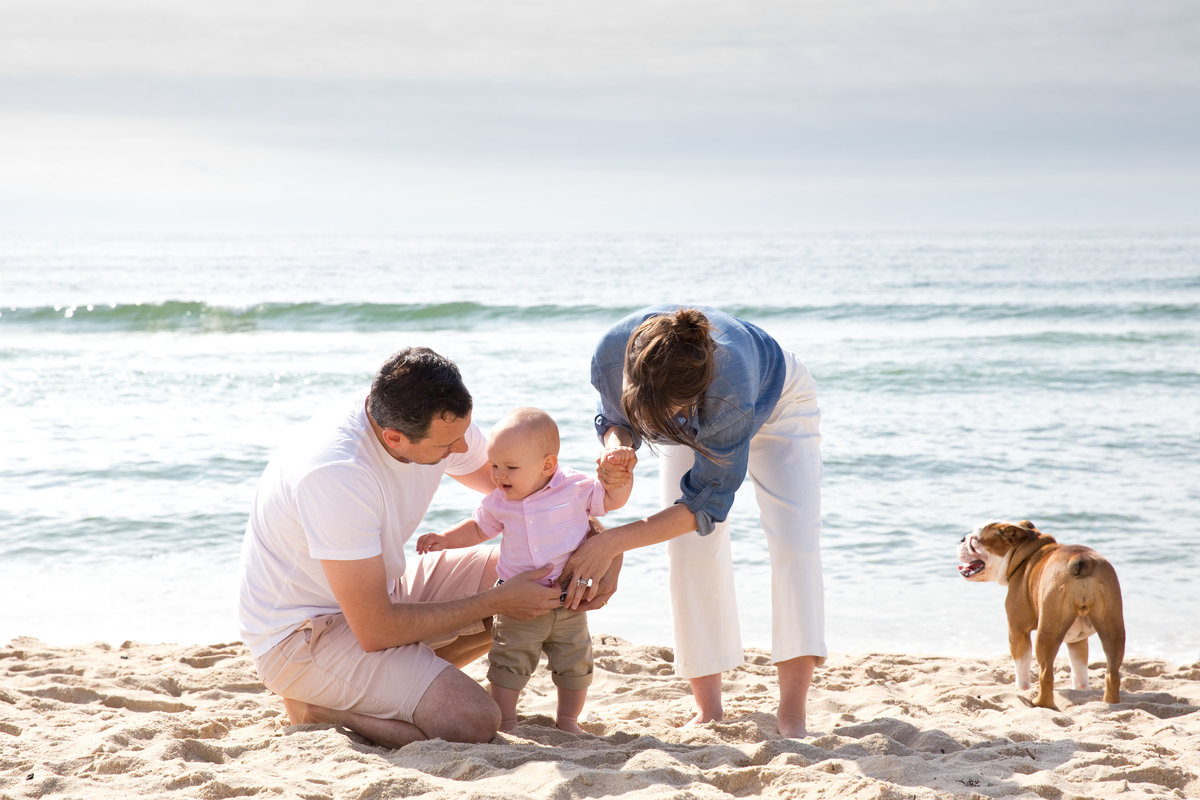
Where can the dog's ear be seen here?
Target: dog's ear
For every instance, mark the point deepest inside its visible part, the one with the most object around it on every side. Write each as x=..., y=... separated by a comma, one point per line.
x=1027, y=524
x=1017, y=533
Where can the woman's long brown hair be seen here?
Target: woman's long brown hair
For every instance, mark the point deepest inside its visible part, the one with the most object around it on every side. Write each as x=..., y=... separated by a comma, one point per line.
x=669, y=365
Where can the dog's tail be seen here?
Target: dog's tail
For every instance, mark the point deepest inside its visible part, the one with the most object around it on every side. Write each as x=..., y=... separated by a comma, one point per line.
x=1080, y=566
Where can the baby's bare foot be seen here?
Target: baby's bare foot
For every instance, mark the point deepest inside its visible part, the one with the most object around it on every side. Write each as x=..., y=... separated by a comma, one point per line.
x=567, y=724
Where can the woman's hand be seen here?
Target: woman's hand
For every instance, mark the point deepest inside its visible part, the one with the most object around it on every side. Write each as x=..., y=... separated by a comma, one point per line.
x=589, y=584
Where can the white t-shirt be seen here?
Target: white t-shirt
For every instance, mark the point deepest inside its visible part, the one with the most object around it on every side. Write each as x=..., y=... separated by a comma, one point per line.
x=331, y=493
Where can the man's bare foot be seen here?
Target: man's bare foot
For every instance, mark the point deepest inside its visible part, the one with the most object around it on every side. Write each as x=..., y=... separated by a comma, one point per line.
x=569, y=725
x=301, y=713
x=792, y=727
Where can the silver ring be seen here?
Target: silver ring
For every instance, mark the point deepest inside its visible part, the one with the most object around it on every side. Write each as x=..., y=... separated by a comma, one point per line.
x=582, y=582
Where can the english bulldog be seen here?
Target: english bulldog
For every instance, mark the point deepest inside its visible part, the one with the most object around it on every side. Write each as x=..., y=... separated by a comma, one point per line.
x=1064, y=592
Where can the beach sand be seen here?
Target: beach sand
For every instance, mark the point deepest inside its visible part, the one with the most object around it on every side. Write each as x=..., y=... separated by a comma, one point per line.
x=143, y=720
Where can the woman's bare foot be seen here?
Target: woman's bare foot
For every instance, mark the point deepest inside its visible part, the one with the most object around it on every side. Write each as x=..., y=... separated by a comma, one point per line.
x=706, y=691
x=795, y=676
x=792, y=727
x=702, y=718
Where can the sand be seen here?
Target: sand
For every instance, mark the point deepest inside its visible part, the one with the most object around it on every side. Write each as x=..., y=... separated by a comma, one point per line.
x=143, y=720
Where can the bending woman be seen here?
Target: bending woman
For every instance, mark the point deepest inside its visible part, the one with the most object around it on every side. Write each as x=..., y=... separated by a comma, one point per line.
x=719, y=399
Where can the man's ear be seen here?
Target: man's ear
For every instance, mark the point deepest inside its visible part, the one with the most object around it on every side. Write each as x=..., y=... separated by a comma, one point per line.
x=395, y=439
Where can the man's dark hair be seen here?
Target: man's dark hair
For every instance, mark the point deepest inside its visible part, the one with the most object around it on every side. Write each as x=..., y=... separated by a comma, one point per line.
x=412, y=388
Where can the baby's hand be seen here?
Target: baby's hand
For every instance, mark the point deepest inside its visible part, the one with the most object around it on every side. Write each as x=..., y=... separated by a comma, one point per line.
x=614, y=468
x=428, y=542
x=621, y=458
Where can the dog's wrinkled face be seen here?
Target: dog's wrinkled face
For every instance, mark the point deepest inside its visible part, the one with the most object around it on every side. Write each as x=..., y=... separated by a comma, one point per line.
x=973, y=558
x=982, y=553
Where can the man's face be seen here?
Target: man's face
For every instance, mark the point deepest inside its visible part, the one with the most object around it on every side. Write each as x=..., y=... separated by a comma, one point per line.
x=445, y=436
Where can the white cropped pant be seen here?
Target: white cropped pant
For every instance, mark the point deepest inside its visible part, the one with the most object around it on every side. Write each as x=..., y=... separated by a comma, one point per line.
x=785, y=465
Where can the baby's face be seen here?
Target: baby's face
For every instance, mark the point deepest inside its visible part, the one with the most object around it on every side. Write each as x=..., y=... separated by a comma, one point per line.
x=519, y=468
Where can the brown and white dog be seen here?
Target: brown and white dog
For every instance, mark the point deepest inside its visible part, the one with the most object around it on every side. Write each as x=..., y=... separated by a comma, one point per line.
x=1064, y=592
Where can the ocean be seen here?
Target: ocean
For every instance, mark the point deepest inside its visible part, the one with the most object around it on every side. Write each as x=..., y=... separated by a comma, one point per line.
x=963, y=376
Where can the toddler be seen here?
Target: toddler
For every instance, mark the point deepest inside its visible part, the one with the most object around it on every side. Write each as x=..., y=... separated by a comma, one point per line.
x=542, y=510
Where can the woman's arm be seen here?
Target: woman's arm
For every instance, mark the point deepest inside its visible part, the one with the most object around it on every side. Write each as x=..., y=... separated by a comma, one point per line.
x=594, y=556
x=480, y=480
x=616, y=437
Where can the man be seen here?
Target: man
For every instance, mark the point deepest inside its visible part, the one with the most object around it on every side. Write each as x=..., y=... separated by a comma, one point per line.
x=339, y=623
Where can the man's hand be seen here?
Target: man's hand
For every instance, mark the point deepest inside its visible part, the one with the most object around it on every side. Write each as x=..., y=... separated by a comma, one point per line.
x=523, y=597
x=428, y=542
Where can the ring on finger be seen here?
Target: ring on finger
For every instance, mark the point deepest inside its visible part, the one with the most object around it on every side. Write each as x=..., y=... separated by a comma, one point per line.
x=584, y=581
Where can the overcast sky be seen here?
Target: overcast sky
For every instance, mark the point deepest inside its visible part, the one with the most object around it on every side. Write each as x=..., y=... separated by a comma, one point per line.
x=556, y=115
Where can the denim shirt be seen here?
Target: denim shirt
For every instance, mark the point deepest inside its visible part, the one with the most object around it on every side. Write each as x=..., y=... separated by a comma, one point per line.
x=750, y=370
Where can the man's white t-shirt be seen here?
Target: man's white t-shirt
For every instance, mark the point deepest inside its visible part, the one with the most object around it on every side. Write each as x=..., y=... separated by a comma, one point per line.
x=331, y=493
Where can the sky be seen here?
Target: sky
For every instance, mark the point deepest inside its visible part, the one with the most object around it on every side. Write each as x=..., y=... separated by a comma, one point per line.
x=558, y=116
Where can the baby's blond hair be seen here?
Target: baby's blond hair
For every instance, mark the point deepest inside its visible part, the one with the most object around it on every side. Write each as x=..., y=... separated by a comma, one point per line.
x=534, y=423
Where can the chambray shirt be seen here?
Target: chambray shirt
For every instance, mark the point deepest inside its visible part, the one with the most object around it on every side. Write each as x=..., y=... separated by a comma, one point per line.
x=750, y=370
x=545, y=527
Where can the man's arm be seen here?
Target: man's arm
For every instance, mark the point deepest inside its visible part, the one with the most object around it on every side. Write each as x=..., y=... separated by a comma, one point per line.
x=480, y=480
x=360, y=588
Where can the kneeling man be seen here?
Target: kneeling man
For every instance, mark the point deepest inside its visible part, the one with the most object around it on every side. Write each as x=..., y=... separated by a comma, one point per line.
x=339, y=623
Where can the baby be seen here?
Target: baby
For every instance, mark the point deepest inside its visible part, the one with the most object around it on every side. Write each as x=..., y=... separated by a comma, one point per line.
x=542, y=509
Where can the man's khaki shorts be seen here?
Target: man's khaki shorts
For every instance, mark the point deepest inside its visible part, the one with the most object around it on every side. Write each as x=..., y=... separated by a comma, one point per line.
x=321, y=662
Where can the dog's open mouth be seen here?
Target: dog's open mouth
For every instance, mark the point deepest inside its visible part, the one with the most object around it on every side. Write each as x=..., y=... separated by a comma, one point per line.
x=971, y=569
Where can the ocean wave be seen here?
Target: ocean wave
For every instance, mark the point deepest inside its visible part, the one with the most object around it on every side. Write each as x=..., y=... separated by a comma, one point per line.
x=106, y=539
x=979, y=312
x=179, y=315
x=203, y=317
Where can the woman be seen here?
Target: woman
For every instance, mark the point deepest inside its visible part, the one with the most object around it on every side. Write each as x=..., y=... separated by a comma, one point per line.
x=720, y=399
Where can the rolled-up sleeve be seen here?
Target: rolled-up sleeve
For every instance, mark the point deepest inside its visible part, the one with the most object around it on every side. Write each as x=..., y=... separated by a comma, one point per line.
x=709, y=487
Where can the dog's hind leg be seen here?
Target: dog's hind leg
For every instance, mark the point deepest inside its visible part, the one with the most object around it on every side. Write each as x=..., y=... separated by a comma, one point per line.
x=1112, y=639
x=1050, y=633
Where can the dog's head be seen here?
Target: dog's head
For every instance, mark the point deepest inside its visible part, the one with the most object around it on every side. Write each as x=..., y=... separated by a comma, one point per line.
x=983, y=553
